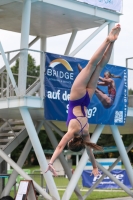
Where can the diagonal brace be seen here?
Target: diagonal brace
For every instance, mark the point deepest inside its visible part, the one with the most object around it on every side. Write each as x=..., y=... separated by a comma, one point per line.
x=114, y=179
x=88, y=39
x=104, y=175
x=9, y=70
x=23, y=174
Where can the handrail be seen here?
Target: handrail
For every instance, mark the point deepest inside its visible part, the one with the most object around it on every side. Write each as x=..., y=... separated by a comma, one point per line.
x=127, y=62
x=17, y=75
x=6, y=52
x=6, y=88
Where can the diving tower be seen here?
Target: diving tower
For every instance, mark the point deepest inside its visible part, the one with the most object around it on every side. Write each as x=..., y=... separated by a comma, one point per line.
x=22, y=112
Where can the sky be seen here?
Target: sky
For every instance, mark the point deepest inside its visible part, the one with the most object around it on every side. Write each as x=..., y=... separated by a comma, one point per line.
x=123, y=46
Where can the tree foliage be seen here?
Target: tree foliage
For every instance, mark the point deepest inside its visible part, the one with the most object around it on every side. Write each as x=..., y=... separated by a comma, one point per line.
x=130, y=91
x=32, y=70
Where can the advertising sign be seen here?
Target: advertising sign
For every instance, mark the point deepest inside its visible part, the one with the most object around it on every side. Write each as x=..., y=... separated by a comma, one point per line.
x=106, y=183
x=60, y=73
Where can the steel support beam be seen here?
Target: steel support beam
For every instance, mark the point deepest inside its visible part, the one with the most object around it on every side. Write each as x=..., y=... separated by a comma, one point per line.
x=33, y=88
x=53, y=126
x=126, y=189
x=25, y=27
x=26, y=176
x=20, y=163
x=61, y=157
x=70, y=43
x=73, y=182
x=43, y=45
x=122, y=151
x=104, y=175
x=88, y=39
x=7, y=78
x=39, y=151
x=77, y=160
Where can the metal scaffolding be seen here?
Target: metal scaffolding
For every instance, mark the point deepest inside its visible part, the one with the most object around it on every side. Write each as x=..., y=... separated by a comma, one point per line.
x=22, y=105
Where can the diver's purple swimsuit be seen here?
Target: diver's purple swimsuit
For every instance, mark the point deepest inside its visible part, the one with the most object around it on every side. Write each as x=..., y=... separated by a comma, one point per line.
x=84, y=101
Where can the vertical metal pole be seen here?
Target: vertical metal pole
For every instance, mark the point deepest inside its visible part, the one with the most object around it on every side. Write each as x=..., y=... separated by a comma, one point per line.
x=3, y=170
x=43, y=44
x=77, y=160
x=122, y=151
x=2, y=85
x=39, y=151
x=20, y=163
x=7, y=79
x=70, y=43
x=110, y=26
x=41, y=180
x=68, y=192
x=15, y=190
x=25, y=27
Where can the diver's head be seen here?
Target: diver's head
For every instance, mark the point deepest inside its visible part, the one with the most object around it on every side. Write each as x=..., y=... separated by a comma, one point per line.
x=76, y=144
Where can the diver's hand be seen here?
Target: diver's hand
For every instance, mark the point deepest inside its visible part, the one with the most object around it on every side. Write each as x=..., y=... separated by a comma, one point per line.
x=95, y=172
x=51, y=168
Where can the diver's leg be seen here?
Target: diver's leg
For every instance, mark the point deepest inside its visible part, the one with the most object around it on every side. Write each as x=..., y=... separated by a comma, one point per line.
x=94, y=78
x=82, y=80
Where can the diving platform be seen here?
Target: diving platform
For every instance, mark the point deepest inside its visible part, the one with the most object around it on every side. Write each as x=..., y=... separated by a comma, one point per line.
x=51, y=18
x=9, y=109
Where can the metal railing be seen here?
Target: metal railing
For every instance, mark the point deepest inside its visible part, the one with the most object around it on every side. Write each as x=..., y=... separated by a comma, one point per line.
x=129, y=66
x=6, y=87
x=127, y=63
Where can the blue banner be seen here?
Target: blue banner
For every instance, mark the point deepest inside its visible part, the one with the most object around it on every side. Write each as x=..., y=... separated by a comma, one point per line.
x=60, y=72
x=89, y=180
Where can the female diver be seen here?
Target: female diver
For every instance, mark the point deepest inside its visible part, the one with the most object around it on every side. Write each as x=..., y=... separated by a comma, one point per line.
x=107, y=100
x=83, y=88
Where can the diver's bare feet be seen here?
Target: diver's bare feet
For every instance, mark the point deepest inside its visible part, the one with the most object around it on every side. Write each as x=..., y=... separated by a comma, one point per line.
x=113, y=35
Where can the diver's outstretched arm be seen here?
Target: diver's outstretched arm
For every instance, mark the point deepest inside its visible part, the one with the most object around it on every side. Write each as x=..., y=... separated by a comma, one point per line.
x=66, y=138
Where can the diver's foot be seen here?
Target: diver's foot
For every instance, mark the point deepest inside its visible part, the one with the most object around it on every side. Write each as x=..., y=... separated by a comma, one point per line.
x=113, y=35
